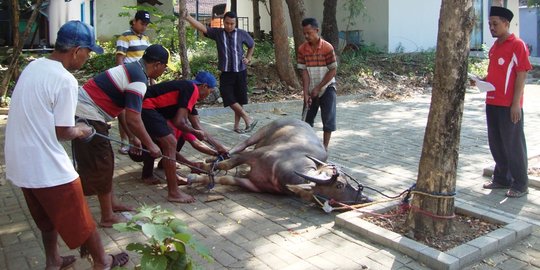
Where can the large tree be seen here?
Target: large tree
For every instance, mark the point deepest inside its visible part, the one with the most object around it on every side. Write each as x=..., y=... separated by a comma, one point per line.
x=182, y=40
x=281, y=45
x=19, y=46
x=330, y=30
x=256, y=20
x=432, y=207
x=297, y=13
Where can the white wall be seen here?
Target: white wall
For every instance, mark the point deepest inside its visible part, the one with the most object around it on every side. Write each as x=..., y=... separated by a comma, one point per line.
x=245, y=9
x=107, y=21
x=413, y=25
x=59, y=13
x=528, y=19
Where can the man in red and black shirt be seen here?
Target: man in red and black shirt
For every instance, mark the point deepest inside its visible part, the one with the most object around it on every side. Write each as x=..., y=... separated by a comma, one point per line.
x=167, y=107
x=507, y=70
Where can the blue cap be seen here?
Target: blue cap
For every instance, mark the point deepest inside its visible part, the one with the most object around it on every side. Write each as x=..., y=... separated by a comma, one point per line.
x=205, y=77
x=78, y=34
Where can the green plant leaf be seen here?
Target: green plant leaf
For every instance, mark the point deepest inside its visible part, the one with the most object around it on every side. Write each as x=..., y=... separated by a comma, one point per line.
x=159, y=232
x=184, y=237
x=139, y=248
x=180, y=247
x=178, y=226
x=151, y=262
x=182, y=262
x=126, y=227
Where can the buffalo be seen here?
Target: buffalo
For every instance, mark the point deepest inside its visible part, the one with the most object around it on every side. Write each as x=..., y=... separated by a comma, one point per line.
x=288, y=158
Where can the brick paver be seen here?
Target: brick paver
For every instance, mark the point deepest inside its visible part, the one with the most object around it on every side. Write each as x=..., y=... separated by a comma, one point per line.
x=378, y=142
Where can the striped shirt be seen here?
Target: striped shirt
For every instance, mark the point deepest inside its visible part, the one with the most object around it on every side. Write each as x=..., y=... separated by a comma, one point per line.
x=131, y=45
x=117, y=88
x=318, y=61
x=230, y=47
x=505, y=60
x=168, y=97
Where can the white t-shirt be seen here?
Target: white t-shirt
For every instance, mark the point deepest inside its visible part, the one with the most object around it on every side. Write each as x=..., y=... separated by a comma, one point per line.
x=45, y=96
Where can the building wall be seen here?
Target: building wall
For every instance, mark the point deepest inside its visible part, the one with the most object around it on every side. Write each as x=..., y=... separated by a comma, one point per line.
x=107, y=22
x=528, y=19
x=60, y=12
x=413, y=25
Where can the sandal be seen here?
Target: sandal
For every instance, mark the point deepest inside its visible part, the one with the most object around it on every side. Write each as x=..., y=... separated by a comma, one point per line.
x=251, y=126
x=512, y=193
x=494, y=185
x=67, y=262
x=119, y=259
x=239, y=131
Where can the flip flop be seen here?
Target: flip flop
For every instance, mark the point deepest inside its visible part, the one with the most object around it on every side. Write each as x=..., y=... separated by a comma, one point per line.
x=512, y=193
x=494, y=185
x=67, y=262
x=119, y=259
x=251, y=126
x=239, y=131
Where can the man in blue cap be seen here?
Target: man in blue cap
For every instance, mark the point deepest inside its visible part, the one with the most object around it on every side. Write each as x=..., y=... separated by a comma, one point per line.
x=166, y=110
x=41, y=115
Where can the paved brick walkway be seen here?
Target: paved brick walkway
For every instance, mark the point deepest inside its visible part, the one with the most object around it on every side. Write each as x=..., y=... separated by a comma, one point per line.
x=378, y=142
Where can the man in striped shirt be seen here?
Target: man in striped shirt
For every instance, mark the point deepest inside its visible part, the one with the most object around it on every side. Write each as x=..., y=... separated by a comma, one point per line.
x=131, y=44
x=317, y=61
x=117, y=92
x=130, y=47
x=232, y=63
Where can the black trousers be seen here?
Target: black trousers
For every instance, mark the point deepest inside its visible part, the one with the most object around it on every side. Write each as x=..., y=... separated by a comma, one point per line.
x=508, y=148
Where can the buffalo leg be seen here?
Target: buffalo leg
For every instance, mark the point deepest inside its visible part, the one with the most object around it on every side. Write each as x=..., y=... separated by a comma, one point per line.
x=225, y=180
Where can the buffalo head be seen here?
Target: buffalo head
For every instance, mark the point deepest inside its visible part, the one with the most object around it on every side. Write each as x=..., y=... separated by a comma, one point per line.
x=330, y=183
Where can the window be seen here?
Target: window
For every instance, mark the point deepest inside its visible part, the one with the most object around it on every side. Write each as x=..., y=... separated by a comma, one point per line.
x=476, y=34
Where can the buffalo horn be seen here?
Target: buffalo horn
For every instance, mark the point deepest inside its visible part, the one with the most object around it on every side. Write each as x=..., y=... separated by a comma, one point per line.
x=318, y=162
x=318, y=181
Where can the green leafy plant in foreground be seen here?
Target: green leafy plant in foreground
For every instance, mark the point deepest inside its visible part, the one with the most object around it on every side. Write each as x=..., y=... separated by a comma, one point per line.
x=168, y=239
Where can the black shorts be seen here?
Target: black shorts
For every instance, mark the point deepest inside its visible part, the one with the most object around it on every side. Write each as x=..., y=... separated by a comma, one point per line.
x=155, y=123
x=233, y=88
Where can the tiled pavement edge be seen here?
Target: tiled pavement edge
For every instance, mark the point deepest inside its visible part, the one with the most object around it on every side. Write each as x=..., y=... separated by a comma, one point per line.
x=378, y=142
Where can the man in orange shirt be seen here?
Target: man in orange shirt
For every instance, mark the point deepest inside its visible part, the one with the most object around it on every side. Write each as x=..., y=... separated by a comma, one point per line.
x=317, y=60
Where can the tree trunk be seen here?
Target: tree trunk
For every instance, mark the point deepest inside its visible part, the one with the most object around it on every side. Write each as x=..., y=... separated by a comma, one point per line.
x=329, y=25
x=256, y=20
x=297, y=14
x=182, y=40
x=17, y=50
x=432, y=215
x=281, y=45
x=15, y=18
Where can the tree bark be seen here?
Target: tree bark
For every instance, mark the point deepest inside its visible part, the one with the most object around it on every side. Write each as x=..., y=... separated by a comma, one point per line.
x=432, y=215
x=297, y=13
x=182, y=40
x=256, y=20
x=15, y=18
x=281, y=45
x=330, y=30
x=17, y=50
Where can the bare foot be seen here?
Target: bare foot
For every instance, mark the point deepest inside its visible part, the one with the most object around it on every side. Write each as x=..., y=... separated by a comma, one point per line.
x=108, y=222
x=181, y=198
x=117, y=207
x=181, y=181
x=151, y=180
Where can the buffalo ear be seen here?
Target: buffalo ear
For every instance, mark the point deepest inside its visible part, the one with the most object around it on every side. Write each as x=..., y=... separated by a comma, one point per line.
x=303, y=191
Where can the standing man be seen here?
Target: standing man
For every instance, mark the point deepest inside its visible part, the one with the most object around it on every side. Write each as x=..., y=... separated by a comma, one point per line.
x=317, y=62
x=117, y=92
x=507, y=70
x=42, y=113
x=130, y=47
x=232, y=64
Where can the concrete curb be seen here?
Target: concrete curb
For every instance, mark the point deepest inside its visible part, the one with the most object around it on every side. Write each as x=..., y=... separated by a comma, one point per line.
x=456, y=258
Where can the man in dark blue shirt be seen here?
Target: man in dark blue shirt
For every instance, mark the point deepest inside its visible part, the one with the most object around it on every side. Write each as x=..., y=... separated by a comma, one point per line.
x=232, y=63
